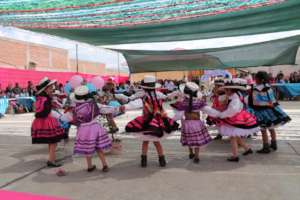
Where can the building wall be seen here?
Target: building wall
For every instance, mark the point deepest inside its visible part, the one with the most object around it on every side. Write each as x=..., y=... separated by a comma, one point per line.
x=114, y=72
x=174, y=75
x=39, y=55
x=88, y=67
x=60, y=59
x=17, y=54
x=12, y=53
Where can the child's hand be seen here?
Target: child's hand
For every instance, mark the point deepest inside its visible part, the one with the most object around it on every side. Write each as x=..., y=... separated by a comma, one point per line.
x=122, y=109
x=67, y=109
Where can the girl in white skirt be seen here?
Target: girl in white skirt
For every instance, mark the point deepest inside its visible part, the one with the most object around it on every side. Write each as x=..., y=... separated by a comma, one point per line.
x=236, y=121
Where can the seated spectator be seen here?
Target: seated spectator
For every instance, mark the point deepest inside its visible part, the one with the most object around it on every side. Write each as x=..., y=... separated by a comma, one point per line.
x=24, y=93
x=280, y=78
x=120, y=89
x=272, y=79
x=2, y=94
x=170, y=86
x=30, y=89
x=17, y=89
x=294, y=77
x=127, y=86
x=9, y=91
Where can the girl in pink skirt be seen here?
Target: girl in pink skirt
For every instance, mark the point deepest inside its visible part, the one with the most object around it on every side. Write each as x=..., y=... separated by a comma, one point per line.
x=235, y=121
x=46, y=129
x=91, y=136
x=219, y=102
x=194, y=133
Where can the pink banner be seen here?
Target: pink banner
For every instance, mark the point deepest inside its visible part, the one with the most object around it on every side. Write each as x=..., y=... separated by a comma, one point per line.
x=25, y=196
x=8, y=75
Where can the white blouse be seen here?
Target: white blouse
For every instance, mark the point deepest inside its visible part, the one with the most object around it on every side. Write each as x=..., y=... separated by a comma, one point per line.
x=235, y=106
x=160, y=95
x=105, y=109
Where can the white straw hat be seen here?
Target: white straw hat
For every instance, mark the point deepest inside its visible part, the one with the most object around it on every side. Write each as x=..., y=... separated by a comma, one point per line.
x=219, y=81
x=43, y=84
x=192, y=87
x=236, y=83
x=80, y=94
x=149, y=82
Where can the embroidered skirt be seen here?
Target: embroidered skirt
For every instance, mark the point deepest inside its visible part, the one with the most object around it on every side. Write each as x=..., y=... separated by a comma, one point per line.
x=271, y=117
x=194, y=133
x=154, y=130
x=46, y=131
x=90, y=138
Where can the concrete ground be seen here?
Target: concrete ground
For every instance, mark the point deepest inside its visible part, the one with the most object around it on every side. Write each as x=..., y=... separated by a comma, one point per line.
x=261, y=177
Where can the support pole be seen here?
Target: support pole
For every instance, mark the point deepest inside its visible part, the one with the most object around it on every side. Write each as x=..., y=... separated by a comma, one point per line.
x=118, y=68
x=77, y=66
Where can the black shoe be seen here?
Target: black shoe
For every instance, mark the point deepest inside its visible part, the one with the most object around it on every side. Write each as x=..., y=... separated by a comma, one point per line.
x=53, y=165
x=233, y=159
x=105, y=169
x=143, y=161
x=91, y=168
x=249, y=151
x=113, y=130
x=264, y=151
x=273, y=145
x=196, y=160
x=218, y=137
x=162, y=161
x=191, y=156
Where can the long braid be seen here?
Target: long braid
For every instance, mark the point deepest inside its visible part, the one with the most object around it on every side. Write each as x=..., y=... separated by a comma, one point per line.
x=190, y=102
x=150, y=95
x=168, y=126
x=151, y=115
x=157, y=101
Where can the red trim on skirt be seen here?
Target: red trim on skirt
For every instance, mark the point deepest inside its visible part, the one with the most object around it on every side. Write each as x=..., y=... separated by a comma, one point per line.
x=46, y=131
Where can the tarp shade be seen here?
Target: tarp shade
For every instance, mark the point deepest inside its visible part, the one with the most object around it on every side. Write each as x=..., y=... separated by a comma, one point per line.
x=134, y=21
x=276, y=52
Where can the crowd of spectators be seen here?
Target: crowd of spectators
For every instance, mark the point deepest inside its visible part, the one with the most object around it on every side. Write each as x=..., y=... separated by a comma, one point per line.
x=15, y=91
x=294, y=77
x=127, y=88
x=280, y=77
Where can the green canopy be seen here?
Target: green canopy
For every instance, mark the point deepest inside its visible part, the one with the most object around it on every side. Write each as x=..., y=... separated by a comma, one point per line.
x=269, y=53
x=106, y=22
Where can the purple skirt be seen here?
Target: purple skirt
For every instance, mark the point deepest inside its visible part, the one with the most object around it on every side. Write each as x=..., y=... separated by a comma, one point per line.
x=194, y=133
x=90, y=138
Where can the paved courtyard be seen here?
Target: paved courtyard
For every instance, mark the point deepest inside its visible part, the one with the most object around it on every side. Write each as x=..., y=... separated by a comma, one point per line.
x=261, y=177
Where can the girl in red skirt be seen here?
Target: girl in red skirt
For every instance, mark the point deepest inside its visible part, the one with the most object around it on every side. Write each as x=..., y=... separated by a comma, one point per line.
x=46, y=129
x=154, y=124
